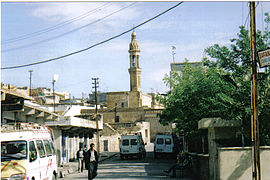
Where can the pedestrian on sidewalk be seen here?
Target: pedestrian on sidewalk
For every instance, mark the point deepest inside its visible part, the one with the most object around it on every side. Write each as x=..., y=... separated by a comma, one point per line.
x=80, y=158
x=91, y=162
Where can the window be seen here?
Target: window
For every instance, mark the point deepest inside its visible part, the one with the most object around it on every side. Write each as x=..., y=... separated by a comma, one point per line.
x=133, y=61
x=32, y=151
x=105, y=145
x=41, y=149
x=122, y=104
x=52, y=146
x=117, y=118
x=134, y=142
x=168, y=141
x=13, y=150
x=48, y=148
x=159, y=140
x=146, y=133
x=125, y=142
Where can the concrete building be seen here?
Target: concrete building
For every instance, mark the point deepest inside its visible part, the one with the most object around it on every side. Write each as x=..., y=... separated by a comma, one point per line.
x=178, y=67
x=69, y=129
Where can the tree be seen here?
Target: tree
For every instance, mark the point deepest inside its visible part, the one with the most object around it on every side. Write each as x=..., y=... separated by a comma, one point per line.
x=220, y=88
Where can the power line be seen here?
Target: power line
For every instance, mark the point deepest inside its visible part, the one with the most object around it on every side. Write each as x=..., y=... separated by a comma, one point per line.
x=74, y=30
x=102, y=42
x=42, y=31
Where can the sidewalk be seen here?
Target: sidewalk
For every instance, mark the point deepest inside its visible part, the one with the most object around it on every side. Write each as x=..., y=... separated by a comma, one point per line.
x=72, y=167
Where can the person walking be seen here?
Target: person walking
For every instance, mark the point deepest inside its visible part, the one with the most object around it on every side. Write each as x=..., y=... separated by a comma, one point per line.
x=91, y=162
x=80, y=158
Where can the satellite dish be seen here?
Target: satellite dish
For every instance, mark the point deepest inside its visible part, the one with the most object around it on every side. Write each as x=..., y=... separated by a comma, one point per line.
x=55, y=77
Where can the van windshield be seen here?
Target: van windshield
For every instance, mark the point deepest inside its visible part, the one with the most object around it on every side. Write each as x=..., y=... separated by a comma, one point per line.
x=13, y=150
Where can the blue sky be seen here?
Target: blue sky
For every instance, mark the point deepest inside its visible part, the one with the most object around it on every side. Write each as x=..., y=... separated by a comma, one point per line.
x=190, y=27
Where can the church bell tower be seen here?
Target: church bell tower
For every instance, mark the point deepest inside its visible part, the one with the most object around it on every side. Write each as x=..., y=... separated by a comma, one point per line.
x=134, y=69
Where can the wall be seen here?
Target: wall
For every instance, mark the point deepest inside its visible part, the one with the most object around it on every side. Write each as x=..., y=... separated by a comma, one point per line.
x=146, y=100
x=235, y=163
x=117, y=97
x=152, y=117
x=200, y=166
x=125, y=115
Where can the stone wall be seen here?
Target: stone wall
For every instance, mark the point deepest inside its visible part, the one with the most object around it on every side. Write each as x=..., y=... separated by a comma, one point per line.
x=115, y=98
x=124, y=114
x=152, y=117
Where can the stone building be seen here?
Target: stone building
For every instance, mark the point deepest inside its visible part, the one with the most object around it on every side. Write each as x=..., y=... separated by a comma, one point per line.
x=133, y=111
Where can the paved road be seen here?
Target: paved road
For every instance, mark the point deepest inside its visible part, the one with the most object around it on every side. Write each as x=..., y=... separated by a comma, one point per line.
x=114, y=168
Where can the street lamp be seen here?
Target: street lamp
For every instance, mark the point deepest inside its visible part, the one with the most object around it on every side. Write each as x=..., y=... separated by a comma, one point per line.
x=55, y=78
x=173, y=51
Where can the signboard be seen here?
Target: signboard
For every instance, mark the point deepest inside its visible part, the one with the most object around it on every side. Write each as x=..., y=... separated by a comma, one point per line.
x=264, y=57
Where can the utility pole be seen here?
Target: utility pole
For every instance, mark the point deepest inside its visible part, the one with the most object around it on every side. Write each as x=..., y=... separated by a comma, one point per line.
x=53, y=96
x=95, y=83
x=30, y=71
x=256, y=170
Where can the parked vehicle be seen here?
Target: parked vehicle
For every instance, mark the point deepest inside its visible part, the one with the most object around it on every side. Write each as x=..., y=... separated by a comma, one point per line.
x=165, y=144
x=132, y=145
x=27, y=152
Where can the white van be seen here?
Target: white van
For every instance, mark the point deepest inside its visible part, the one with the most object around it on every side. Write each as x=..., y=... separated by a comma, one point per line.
x=164, y=144
x=27, y=152
x=132, y=145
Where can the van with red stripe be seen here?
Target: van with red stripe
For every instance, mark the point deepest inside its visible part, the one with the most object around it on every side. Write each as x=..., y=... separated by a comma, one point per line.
x=27, y=152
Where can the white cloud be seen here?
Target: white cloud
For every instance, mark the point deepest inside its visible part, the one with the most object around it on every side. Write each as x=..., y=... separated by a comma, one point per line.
x=59, y=12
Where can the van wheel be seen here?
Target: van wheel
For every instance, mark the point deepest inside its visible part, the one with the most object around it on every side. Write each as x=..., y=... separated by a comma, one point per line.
x=121, y=157
x=140, y=156
x=144, y=154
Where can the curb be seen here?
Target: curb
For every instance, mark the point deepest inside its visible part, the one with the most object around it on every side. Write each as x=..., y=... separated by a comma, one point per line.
x=108, y=157
x=63, y=172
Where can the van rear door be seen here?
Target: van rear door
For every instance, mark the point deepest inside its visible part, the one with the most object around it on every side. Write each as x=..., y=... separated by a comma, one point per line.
x=125, y=146
x=159, y=144
x=134, y=148
x=168, y=144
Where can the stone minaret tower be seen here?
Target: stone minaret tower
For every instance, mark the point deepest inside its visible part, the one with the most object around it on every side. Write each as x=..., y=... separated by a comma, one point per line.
x=134, y=70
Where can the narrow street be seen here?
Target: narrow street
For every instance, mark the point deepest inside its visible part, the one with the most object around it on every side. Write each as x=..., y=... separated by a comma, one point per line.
x=114, y=168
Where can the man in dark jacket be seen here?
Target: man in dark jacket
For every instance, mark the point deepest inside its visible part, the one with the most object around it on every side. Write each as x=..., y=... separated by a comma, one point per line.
x=91, y=162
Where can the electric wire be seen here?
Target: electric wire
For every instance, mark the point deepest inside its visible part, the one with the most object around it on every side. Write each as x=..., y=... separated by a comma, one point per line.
x=42, y=31
x=63, y=34
x=97, y=44
x=262, y=18
x=246, y=18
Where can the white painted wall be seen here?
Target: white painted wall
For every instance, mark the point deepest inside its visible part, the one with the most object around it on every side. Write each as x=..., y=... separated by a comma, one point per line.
x=235, y=163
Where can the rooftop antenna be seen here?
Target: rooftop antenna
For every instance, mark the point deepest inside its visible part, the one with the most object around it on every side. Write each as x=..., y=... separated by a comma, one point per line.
x=173, y=51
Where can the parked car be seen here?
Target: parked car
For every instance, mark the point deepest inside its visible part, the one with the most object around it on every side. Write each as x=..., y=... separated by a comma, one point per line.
x=165, y=144
x=132, y=145
x=27, y=152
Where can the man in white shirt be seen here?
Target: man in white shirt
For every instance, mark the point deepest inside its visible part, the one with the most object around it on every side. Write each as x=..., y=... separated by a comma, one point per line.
x=80, y=158
x=91, y=162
